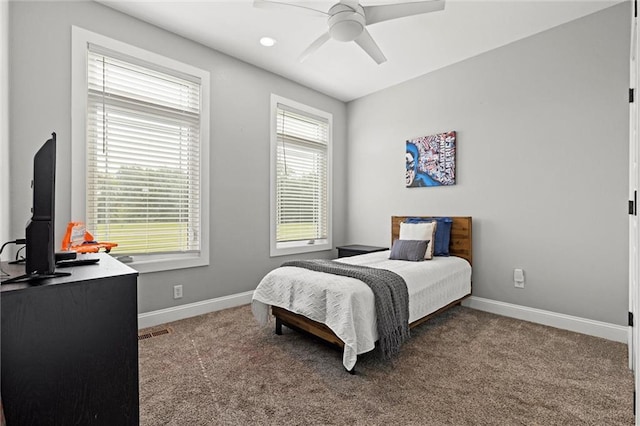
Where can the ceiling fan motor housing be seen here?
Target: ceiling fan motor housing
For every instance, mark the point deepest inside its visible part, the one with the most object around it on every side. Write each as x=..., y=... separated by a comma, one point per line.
x=345, y=23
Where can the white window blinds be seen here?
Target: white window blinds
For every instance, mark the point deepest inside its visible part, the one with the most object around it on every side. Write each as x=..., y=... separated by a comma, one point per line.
x=301, y=181
x=143, y=155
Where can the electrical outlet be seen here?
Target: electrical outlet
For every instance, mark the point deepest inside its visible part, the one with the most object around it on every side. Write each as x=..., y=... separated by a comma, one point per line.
x=518, y=278
x=177, y=291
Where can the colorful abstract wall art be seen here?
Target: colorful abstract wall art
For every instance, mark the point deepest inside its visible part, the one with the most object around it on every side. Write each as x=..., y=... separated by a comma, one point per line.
x=431, y=160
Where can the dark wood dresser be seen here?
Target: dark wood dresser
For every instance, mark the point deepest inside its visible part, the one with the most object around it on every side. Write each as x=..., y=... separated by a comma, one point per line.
x=69, y=347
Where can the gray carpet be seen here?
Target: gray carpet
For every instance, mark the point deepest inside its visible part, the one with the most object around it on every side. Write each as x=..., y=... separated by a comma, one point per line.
x=464, y=367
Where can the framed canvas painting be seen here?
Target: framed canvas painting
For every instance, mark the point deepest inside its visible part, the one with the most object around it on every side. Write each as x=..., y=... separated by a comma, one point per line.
x=431, y=160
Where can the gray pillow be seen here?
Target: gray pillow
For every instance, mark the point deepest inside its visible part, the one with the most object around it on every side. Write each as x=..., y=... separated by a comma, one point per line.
x=413, y=250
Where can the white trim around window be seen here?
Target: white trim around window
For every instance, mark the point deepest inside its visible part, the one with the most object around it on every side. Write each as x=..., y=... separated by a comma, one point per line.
x=306, y=139
x=81, y=40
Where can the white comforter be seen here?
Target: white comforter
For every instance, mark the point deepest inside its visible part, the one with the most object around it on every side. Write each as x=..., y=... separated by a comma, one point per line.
x=346, y=304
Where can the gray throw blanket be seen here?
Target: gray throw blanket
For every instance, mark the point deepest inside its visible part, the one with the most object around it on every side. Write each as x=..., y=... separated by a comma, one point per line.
x=390, y=294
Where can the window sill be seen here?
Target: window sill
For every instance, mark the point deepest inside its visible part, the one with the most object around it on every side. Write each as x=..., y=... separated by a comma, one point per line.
x=147, y=264
x=283, y=249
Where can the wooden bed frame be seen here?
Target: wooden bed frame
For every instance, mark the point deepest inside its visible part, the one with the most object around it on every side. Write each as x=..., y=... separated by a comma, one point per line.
x=460, y=245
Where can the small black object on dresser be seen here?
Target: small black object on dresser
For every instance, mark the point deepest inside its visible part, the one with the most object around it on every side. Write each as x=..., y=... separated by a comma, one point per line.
x=355, y=249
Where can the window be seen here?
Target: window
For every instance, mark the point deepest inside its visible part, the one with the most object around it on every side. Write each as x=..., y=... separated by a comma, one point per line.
x=300, y=178
x=144, y=154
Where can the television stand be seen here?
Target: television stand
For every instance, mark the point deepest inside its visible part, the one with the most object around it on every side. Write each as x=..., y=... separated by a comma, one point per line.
x=70, y=347
x=32, y=278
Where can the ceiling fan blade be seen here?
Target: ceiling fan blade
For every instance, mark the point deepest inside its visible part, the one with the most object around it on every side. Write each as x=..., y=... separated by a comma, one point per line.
x=276, y=5
x=314, y=46
x=365, y=41
x=386, y=12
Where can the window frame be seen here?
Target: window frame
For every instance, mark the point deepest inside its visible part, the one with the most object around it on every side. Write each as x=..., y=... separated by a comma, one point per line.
x=297, y=247
x=79, y=88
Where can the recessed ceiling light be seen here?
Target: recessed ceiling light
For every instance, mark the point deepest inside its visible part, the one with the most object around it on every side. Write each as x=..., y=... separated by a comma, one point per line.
x=267, y=41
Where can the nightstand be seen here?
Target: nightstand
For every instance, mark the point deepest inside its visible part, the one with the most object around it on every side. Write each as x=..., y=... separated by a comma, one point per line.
x=355, y=249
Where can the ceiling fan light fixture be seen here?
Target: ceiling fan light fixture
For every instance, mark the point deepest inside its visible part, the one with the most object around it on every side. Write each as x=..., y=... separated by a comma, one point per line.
x=347, y=30
x=346, y=23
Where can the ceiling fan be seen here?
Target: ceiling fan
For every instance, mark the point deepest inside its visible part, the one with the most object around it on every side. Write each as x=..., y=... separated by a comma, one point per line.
x=348, y=19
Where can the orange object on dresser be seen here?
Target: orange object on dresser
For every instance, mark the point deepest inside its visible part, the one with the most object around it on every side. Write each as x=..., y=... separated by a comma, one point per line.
x=78, y=239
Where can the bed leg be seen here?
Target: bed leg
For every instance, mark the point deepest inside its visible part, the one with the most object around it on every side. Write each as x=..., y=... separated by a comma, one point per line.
x=278, y=327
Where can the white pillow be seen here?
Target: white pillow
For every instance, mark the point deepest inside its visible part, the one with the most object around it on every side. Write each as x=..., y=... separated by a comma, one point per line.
x=420, y=231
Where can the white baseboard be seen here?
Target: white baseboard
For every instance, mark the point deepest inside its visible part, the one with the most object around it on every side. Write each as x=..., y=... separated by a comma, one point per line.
x=162, y=316
x=618, y=333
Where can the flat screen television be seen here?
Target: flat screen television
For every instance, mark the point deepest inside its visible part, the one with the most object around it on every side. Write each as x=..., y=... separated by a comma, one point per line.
x=40, y=245
x=40, y=230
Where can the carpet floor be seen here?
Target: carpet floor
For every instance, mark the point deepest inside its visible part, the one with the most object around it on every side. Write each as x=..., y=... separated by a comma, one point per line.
x=464, y=367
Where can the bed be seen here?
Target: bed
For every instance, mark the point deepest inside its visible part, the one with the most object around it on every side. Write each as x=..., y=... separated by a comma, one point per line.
x=340, y=310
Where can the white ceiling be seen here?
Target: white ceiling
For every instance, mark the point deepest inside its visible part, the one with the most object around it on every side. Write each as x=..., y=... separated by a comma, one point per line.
x=413, y=45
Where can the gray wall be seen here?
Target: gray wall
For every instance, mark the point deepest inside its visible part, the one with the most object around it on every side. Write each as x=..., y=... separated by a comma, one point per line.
x=542, y=164
x=40, y=102
x=5, y=234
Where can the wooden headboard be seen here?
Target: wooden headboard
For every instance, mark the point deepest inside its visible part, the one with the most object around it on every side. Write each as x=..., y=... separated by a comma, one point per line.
x=460, y=242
